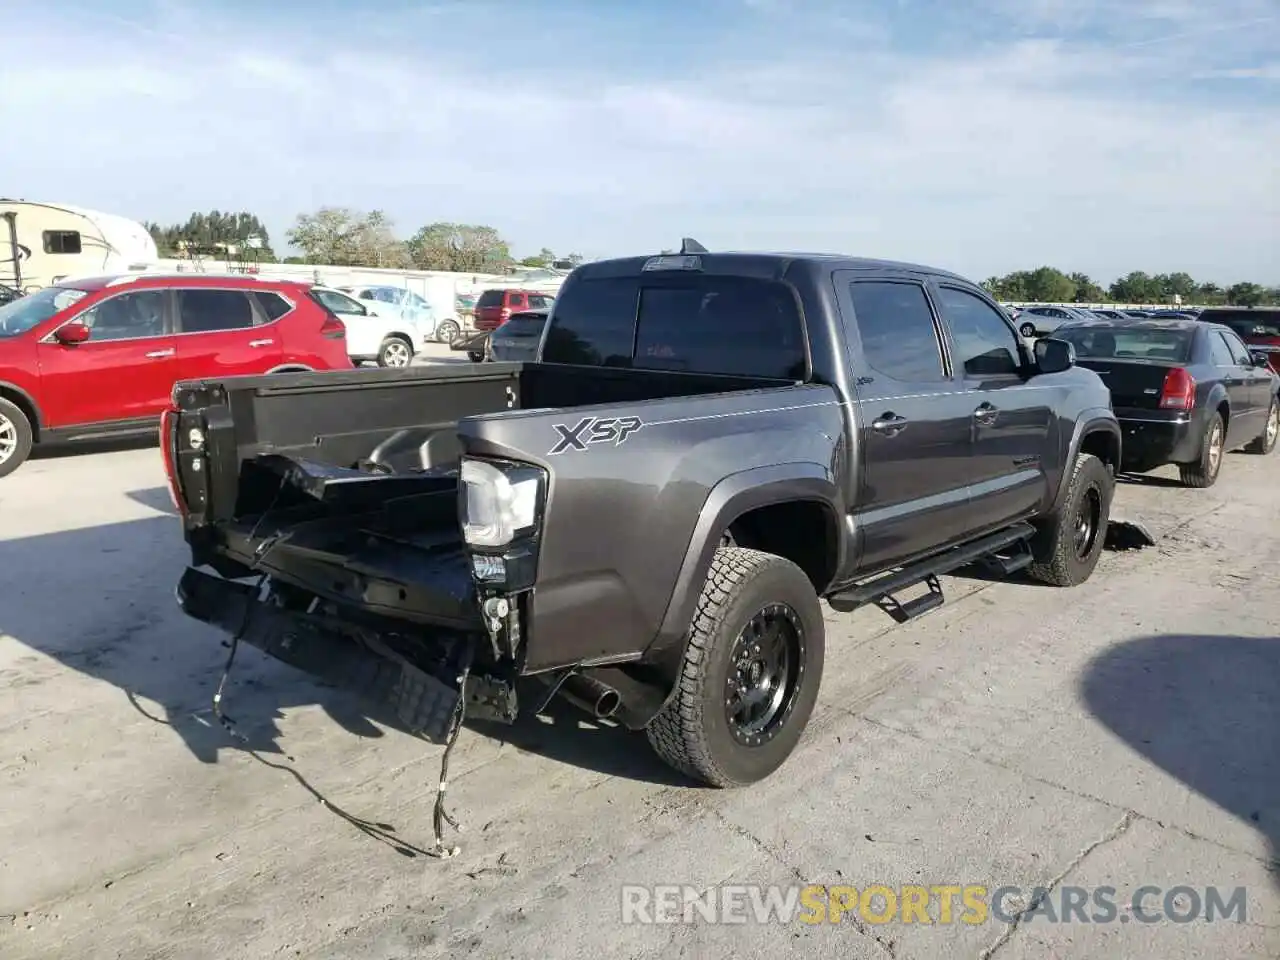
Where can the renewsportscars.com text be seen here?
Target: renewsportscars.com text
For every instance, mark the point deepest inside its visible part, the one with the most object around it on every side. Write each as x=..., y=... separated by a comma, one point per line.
x=941, y=904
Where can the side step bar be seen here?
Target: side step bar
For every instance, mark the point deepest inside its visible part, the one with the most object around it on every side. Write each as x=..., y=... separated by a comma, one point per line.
x=1007, y=549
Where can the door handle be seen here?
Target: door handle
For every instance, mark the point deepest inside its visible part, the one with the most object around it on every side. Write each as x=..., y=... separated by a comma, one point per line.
x=261, y=343
x=986, y=413
x=890, y=424
x=159, y=354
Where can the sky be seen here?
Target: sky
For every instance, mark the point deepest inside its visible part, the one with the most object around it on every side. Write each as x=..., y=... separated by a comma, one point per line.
x=980, y=136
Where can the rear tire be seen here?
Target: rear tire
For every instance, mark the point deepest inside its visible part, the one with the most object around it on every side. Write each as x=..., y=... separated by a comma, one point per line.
x=447, y=332
x=475, y=356
x=1067, y=547
x=753, y=604
x=1265, y=442
x=16, y=437
x=1204, y=472
x=396, y=351
x=1028, y=330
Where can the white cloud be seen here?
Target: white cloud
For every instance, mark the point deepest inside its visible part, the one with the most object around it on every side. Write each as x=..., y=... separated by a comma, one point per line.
x=1007, y=154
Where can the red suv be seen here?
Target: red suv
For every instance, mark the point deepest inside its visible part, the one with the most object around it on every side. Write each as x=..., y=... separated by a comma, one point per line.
x=99, y=357
x=495, y=307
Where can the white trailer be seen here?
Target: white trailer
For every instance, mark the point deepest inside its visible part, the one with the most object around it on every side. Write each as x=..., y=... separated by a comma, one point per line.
x=42, y=243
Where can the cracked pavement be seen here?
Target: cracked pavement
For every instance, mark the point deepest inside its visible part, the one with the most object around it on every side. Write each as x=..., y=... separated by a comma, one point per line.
x=1123, y=733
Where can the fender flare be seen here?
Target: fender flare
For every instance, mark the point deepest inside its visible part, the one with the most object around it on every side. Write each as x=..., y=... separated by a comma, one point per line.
x=727, y=500
x=1093, y=420
x=6, y=386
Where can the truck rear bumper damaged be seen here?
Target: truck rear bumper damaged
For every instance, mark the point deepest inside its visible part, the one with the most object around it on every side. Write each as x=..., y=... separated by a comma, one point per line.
x=423, y=695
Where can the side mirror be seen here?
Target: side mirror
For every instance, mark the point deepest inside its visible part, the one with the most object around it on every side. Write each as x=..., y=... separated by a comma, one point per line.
x=1054, y=356
x=70, y=334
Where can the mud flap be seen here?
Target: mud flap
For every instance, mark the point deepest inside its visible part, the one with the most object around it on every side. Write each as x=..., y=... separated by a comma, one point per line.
x=1128, y=535
x=425, y=702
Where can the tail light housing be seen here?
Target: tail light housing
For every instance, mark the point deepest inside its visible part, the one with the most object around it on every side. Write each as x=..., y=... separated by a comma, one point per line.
x=333, y=328
x=168, y=433
x=500, y=509
x=1179, y=390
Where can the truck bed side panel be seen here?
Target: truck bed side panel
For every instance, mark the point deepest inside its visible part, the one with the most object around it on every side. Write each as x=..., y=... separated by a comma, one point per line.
x=620, y=515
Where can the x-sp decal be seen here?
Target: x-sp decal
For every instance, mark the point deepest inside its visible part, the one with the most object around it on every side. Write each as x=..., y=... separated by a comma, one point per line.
x=589, y=430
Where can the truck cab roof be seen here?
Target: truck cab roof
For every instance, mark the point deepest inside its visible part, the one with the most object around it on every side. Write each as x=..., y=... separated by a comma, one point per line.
x=765, y=265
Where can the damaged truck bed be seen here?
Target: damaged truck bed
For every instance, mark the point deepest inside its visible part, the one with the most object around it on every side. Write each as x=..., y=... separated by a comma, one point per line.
x=645, y=520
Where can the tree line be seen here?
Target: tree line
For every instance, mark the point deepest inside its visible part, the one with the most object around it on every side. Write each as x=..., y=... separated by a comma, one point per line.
x=343, y=237
x=1050, y=285
x=217, y=234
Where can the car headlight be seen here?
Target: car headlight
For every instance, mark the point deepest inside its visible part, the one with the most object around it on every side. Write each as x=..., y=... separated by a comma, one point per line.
x=499, y=502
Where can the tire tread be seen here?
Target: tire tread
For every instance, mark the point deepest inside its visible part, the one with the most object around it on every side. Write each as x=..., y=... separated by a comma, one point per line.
x=677, y=733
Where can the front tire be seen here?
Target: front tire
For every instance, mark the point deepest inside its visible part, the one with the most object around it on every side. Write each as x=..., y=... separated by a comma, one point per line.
x=1204, y=472
x=751, y=670
x=1265, y=442
x=16, y=437
x=475, y=356
x=396, y=351
x=1067, y=547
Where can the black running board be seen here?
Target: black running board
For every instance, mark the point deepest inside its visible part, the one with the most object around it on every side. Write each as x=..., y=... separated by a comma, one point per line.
x=927, y=571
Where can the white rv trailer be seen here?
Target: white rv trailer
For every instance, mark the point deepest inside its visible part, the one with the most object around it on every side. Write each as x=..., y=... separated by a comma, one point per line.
x=42, y=243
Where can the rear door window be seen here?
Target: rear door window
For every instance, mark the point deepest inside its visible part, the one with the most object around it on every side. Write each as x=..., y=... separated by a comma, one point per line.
x=896, y=329
x=273, y=305
x=209, y=311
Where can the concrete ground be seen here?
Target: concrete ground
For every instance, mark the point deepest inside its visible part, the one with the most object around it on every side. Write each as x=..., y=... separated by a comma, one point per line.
x=1125, y=733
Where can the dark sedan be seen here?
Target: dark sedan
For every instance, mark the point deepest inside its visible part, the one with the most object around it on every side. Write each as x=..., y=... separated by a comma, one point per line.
x=518, y=337
x=1185, y=392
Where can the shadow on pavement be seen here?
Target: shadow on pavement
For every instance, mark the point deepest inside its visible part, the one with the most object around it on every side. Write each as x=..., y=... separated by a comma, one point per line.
x=128, y=631
x=1205, y=709
x=53, y=451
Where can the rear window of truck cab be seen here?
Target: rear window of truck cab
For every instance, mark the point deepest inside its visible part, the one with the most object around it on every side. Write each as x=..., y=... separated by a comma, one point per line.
x=695, y=323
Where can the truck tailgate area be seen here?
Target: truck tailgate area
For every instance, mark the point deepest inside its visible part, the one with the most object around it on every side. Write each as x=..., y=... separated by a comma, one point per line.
x=402, y=557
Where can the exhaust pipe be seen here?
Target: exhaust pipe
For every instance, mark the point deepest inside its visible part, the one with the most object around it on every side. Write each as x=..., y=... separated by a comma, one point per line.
x=589, y=694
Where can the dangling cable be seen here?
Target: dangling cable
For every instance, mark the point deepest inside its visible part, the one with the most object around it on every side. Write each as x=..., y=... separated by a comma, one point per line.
x=440, y=816
x=227, y=723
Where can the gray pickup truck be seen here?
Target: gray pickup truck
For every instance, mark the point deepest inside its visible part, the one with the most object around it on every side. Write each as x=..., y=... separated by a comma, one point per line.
x=646, y=520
